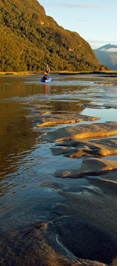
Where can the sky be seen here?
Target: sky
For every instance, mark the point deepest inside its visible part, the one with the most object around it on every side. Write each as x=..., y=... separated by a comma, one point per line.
x=93, y=20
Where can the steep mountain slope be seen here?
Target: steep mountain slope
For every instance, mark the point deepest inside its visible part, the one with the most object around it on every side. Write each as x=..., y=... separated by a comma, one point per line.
x=107, y=55
x=29, y=39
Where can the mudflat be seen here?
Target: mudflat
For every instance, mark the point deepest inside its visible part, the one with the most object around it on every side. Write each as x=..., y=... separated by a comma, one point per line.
x=87, y=227
x=58, y=170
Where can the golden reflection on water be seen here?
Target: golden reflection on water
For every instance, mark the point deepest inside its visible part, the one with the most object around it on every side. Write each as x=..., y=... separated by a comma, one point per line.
x=22, y=101
x=16, y=134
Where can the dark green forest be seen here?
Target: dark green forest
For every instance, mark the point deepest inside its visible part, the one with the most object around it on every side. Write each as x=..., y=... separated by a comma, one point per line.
x=29, y=39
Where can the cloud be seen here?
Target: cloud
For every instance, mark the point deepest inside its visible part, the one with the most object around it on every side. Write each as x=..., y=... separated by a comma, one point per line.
x=98, y=43
x=81, y=20
x=110, y=50
x=73, y=5
x=76, y=5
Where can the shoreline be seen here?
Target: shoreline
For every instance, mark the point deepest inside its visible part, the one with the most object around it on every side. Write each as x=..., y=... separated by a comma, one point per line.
x=110, y=72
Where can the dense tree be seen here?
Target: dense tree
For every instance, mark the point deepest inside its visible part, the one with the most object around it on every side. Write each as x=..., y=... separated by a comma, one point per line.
x=29, y=39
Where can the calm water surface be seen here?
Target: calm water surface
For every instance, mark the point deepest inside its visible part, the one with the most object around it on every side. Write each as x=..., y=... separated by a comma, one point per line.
x=27, y=166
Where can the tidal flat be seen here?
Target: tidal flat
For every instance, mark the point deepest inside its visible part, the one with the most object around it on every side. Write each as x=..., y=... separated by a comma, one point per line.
x=58, y=170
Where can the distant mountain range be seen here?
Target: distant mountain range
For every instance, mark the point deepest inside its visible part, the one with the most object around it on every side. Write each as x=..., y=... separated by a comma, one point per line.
x=29, y=39
x=107, y=55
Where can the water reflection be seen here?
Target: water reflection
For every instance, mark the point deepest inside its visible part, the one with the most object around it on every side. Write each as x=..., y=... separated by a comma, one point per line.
x=23, y=100
x=106, y=114
x=16, y=134
x=47, y=88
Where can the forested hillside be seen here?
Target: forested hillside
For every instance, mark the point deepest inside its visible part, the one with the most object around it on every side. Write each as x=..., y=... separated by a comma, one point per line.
x=29, y=39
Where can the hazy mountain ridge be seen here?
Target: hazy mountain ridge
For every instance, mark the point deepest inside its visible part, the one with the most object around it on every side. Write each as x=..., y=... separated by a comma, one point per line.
x=107, y=55
x=29, y=39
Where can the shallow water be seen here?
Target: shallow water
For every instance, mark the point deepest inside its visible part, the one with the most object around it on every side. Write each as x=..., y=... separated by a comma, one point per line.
x=28, y=188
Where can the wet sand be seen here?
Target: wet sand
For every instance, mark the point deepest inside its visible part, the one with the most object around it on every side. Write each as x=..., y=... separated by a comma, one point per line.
x=87, y=227
x=83, y=132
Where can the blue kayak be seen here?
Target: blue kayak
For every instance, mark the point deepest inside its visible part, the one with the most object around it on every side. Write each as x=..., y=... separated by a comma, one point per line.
x=46, y=78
